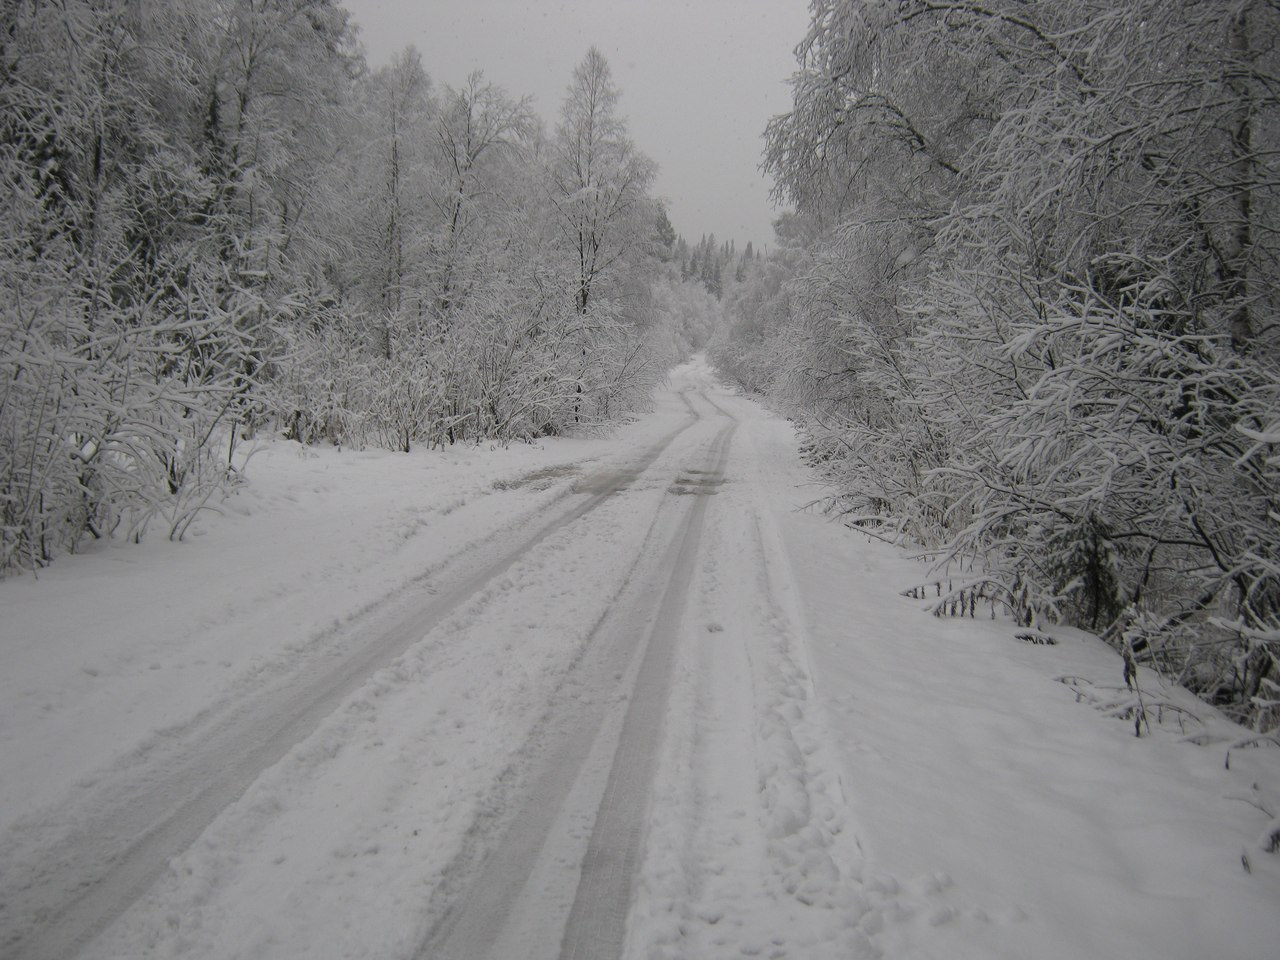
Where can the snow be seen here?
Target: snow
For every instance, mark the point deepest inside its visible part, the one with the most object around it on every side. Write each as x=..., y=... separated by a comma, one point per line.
x=838, y=773
x=123, y=641
x=996, y=803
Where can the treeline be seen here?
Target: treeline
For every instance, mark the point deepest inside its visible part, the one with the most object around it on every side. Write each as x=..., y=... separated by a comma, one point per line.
x=716, y=268
x=1026, y=312
x=217, y=219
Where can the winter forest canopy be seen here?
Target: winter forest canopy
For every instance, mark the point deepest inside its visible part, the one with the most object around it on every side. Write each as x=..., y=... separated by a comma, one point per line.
x=219, y=220
x=1024, y=311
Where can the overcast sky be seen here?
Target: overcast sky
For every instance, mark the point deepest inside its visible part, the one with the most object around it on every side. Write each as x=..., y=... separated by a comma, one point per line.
x=699, y=80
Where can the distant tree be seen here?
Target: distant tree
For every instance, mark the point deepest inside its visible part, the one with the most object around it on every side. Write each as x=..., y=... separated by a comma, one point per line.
x=599, y=179
x=665, y=234
x=711, y=262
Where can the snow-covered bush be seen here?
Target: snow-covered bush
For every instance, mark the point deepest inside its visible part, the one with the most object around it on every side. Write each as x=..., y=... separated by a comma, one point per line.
x=1037, y=333
x=214, y=219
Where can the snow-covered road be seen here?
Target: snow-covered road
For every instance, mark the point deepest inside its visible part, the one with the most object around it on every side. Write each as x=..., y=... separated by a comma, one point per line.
x=597, y=698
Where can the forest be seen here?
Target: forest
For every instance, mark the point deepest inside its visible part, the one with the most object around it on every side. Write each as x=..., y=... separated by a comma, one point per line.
x=220, y=221
x=1022, y=307
x=1025, y=312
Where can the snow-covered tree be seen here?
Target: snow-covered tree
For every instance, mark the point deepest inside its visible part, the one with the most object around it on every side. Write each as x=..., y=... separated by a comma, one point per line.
x=479, y=133
x=129, y=341
x=217, y=220
x=1037, y=329
x=599, y=180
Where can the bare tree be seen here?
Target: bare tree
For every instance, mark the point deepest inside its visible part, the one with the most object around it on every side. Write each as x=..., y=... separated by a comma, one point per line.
x=599, y=179
x=477, y=123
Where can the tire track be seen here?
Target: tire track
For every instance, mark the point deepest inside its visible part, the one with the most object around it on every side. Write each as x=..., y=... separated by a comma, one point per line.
x=487, y=908
x=597, y=921
x=751, y=854
x=73, y=871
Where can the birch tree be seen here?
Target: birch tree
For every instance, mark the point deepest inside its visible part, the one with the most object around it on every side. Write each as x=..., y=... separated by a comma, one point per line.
x=1038, y=330
x=479, y=132
x=599, y=180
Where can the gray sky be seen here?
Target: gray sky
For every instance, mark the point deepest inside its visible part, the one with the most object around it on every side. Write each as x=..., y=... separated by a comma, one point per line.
x=699, y=80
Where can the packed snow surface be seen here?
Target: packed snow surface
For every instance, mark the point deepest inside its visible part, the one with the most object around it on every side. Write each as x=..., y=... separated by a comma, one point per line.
x=609, y=697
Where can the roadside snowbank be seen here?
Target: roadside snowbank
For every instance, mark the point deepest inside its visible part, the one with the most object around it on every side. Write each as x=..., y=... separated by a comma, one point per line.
x=109, y=648
x=1001, y=815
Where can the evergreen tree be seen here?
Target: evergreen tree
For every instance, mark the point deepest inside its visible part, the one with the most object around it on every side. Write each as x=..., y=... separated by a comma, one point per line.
x=664, y=234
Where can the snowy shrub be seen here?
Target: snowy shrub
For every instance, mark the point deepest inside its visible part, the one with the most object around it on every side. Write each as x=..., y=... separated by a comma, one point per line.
x=1035, y=329
x=216, y=218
